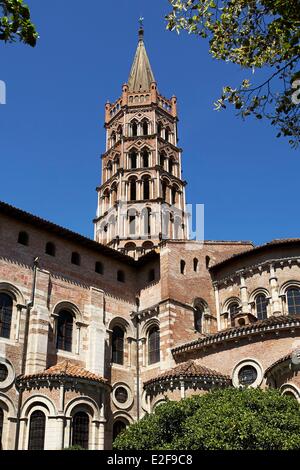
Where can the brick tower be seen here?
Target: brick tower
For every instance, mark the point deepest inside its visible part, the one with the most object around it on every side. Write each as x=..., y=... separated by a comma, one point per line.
x=142, y=197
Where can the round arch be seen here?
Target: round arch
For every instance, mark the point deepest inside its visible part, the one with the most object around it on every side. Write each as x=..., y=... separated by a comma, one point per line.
x=70, y=306
x=14, y=291
x=82, y=403
x=38, y=401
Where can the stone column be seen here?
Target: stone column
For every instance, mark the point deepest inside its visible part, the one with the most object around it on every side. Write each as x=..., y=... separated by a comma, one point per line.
x=217, y=298
x=274, y=288
x=244, y=295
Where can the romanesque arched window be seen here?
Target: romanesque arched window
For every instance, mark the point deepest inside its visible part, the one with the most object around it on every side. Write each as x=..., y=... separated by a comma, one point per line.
x=80, y=430
x=1, y=426
x=132, y=216
x=121, y=276
x=132, y=187
x=37, y=428
x=6, y=308
x=182, y=266
x=133, y=159
x=145, y=158
x=171, y=166
x=65, y=331
x=164, y=190
x=159, y=129
x=75, y=258
x=99, y=269
x=174, y=194
x=233, y=309
x=198, y=318
x=118, y=336
x=23, y=238
x=196, y=264
x=293, y=300
x=145, y=128
x=162, y=159
x=119, y=427
x=134, y=128
x=261, y=303
x=147, y=220
x=146, y=187
x=154, y=345
x=50, y=249
x=113, y=138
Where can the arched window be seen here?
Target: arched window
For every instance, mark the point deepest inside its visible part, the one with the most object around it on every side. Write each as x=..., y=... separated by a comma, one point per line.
x=182, y=266
x=109, y=169
x=65, y=331
x=207, y=261
x=261, y=302
x=164, y=190
x=293, y=300
x=145, y=128
x=145, y=158
x=119, y=427
x=37, y=431
x=174, y=194
x=6, y=307
x=133, y=159
x=147, y=221
x=99, y=267
x=23, y=238
x=132, y=184
x=154, y=345
x=233, y=309
x=50, y=249
x=171, y=166
x=162, y=159
x=146, y=187
x=196, y=264
x=132, y=221
x=75, y=258
x=121, y=276
x=113, y=139
x=80, y=430
x=167, y=134
x=198, y=318
x=134, y=128
x=118, y=346
x=159, y=129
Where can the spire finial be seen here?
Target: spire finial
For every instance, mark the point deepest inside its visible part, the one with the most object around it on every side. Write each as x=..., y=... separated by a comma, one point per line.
x=141, y=29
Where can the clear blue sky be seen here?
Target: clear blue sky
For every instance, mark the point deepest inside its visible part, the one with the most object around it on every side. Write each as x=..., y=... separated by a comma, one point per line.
x=52, y=135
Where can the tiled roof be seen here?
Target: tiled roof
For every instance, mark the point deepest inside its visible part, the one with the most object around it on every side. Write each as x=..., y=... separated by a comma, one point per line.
x=67, y=234
x=257, y=249
x=266, y=325
x=188, y=369
x=287, y=357
x=66, y=369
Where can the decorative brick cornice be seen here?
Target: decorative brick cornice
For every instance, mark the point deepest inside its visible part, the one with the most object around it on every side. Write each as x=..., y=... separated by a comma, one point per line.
x=268, y=326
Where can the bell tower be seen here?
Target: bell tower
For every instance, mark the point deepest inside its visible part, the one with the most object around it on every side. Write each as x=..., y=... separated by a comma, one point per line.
x=142, y=197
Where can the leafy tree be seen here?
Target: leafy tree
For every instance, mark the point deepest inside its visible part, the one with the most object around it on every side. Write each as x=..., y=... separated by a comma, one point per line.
x=254, y=34
x=230, y=419
x=16, y=23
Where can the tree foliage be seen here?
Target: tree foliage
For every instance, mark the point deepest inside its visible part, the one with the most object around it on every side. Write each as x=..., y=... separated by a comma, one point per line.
x=16, y=23
x=252, y=34
x=230, y=419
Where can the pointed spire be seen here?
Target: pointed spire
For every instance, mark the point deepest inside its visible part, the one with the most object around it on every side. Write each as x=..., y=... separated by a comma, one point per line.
x=141, y=75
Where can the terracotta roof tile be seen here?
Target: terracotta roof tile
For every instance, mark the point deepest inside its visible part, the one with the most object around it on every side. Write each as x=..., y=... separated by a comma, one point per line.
x=244, y=330
x=256, y=249
x=187, y=369
x=67, y=369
